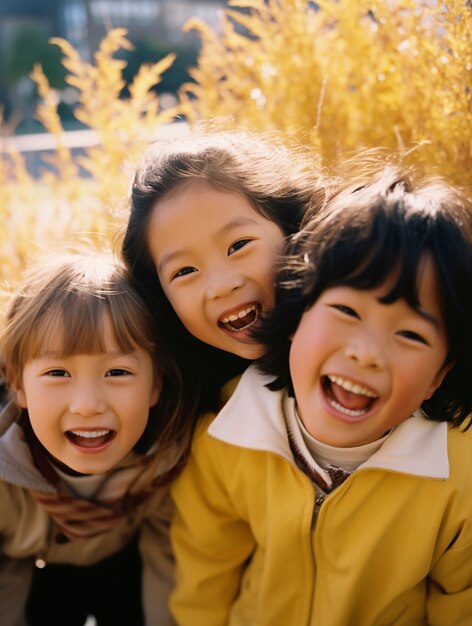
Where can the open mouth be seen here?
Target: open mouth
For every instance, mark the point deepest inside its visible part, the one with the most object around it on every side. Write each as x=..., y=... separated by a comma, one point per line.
x=347, y=397
x=90, y=438
x=241, y=320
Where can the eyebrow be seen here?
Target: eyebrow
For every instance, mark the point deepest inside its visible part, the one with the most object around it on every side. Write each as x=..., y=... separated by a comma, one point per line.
x=226, y=229
x=428, y=317
x=422, y=313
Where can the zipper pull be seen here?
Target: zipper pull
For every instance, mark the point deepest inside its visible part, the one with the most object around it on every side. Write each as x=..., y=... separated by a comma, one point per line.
x=40, y=562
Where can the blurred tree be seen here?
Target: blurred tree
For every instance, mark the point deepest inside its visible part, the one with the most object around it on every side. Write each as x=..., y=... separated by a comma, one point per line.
x=30, y=46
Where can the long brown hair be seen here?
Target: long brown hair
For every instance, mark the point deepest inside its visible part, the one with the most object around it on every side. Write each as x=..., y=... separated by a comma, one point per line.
x=278, y=181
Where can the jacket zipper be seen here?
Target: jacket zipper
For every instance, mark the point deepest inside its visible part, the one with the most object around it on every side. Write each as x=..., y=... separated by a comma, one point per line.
x=319, y=499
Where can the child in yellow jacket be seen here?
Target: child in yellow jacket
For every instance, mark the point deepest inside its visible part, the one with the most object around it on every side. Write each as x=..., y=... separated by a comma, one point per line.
x=335, y=486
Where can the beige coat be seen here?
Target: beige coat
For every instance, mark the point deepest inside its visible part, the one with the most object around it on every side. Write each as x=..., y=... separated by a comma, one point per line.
x=27, y=534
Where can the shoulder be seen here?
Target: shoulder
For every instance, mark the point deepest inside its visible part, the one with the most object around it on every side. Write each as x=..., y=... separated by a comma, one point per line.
x=459, y=484
x=243, y=396
x=250, y=421
x=459, y=487
x=459, y=443
x=201, y=430
x=21, y=513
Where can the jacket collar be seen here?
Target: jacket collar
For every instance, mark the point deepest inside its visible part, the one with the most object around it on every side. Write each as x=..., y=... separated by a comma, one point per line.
x=253, y=418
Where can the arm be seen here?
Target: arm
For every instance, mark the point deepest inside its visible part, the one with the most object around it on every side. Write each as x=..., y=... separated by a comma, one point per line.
x=211, y=541
x=15, y=573
x=450, y=591
x=449, y=601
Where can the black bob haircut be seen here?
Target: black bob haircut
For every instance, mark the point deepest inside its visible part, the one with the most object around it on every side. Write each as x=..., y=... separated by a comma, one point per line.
x=365, y=233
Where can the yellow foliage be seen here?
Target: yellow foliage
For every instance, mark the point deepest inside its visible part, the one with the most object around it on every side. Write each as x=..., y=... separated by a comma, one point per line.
x=123, y=126
x=338, y=74
x=346, y=75
x=63, y=207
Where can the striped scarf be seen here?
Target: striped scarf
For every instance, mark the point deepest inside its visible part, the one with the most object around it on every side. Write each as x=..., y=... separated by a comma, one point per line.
x=124, y=490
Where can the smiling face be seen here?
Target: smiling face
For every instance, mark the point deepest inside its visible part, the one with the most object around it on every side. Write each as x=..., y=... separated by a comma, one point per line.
x=215, y=255
x=360, y=367
x=89, y=410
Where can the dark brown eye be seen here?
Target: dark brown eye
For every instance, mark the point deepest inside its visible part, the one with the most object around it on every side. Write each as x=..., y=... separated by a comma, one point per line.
x=184, y=271
x=412, y=336
x=57, y=373
x=237, y=245
x=347, y=310
x=117, y=371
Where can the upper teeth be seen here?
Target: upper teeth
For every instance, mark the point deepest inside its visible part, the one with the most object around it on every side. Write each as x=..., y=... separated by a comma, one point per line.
x=89, y=434
x=235, y=316
x=353, y=387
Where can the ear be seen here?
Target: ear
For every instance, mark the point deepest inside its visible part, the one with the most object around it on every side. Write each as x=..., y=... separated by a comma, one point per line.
x=438, y=379
x=155, y=393
x=20, y=396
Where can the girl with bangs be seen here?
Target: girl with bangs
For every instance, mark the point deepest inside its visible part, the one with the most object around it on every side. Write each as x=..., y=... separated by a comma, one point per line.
x=88, y=448
x=208, y=216
x=335, y=486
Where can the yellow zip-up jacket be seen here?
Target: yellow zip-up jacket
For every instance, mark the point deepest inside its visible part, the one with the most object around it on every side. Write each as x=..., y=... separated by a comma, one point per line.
x=391, y=546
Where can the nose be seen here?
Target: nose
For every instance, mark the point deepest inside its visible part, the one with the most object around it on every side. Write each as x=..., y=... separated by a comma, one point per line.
x=222, y=282
x=367, y=350
x=87, y=399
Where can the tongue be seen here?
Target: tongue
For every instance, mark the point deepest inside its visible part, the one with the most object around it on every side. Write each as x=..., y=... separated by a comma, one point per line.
x=348, y=399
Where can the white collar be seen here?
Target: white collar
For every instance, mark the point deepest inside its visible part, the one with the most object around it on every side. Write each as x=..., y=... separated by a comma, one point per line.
x=253, y=418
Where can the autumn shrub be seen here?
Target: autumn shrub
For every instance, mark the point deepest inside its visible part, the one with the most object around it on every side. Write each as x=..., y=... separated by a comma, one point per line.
x=344, y=75
x=338, y=74
x=61, y=208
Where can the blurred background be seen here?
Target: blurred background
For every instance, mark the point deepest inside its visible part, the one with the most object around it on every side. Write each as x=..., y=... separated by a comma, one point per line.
x=154, y=29
x=85, y=85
